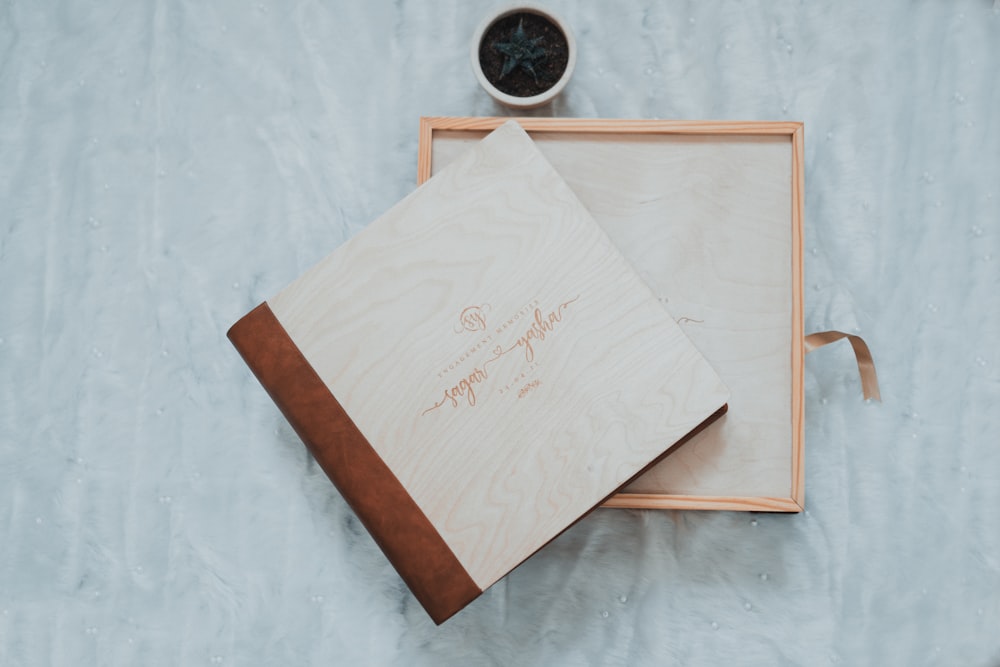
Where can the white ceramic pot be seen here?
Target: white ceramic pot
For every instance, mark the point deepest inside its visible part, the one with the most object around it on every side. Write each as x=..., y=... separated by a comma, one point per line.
x=512, y=100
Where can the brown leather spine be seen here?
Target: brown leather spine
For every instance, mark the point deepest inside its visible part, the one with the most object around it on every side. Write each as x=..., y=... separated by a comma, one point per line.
x=409, y=540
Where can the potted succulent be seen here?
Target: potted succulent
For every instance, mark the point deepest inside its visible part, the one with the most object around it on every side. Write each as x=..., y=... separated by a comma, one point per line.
x=523, y=55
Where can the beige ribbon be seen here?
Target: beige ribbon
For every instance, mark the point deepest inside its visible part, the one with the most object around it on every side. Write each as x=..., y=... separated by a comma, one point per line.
x=866, y=366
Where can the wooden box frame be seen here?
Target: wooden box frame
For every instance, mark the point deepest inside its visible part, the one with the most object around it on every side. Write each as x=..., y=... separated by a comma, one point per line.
x=791, y=500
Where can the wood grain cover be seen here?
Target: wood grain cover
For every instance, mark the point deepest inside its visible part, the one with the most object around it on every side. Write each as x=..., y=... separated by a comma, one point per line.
x=498, y=354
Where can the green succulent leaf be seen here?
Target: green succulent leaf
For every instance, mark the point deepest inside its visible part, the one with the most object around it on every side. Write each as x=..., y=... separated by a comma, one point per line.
x=508, y=66
x=521, y=51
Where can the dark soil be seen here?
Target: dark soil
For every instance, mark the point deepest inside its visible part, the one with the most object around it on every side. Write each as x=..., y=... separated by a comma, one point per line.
x=520, y=82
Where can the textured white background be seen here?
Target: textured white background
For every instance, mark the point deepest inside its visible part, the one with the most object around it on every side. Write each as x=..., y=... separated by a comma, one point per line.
x=165, y=166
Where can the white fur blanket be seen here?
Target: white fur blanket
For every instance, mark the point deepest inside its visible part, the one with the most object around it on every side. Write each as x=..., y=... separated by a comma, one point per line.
x=165, y=166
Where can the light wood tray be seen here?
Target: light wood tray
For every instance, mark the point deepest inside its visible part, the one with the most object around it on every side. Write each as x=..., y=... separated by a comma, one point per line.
x=710, y=214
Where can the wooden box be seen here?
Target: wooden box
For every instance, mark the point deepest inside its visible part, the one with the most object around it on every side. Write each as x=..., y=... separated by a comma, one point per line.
x=710, y=215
